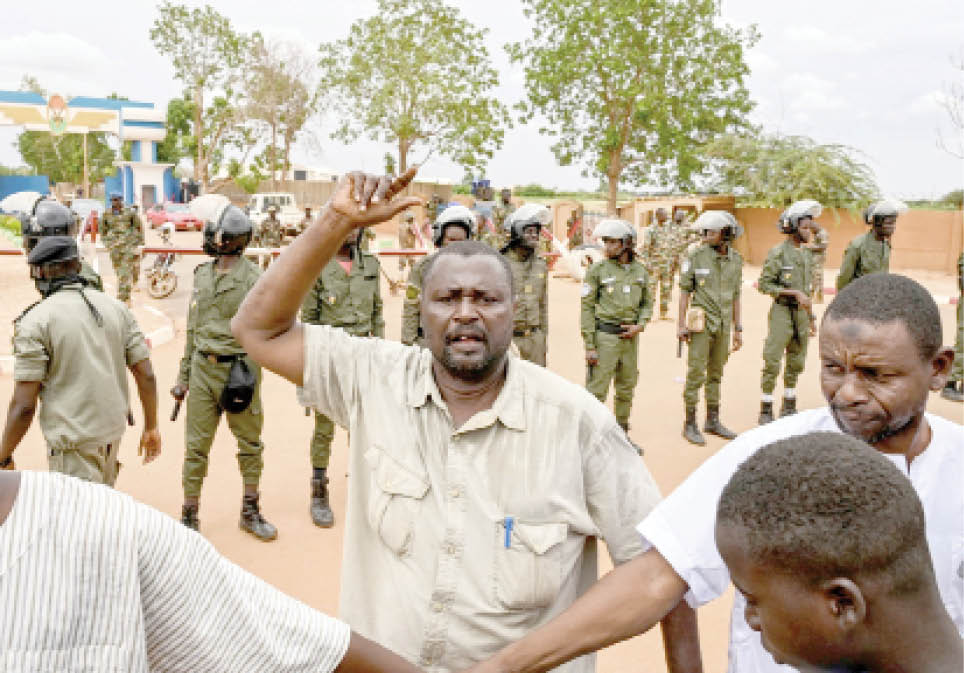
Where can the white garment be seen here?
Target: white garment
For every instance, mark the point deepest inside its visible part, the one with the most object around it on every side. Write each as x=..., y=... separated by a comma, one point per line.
x=91, y=580
x=682, y=525
x=434, y=568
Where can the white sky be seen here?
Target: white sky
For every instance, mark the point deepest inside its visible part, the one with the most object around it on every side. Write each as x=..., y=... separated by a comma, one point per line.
x=864, y=73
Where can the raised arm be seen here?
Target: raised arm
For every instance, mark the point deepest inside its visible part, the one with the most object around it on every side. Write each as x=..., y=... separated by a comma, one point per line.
x=265, y=323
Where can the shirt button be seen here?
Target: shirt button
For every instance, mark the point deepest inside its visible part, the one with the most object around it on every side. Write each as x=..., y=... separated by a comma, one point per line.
x=455, y=492
x=437, y=607
x=451, y=549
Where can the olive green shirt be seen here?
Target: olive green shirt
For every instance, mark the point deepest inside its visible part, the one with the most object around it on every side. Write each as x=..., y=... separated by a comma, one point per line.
x=412, y=304
x=786, y=268
x=351, y=301
x=80, y=363
x=614, y=293
x=215, y=300
x=530, y=279
x=865, y=255
x=713, y=282
x=121, y=229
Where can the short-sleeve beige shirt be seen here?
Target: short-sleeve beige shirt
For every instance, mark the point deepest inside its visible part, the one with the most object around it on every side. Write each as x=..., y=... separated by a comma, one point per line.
x=459, y=541
x=82, y=365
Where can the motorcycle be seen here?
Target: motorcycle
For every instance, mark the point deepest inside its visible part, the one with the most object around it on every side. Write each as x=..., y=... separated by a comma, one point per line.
x=161, y=279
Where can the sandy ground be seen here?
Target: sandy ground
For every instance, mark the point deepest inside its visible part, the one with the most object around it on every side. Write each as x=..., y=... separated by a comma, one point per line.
x=305, y=560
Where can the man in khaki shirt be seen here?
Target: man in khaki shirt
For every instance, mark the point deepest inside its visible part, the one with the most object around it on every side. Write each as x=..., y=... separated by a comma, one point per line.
x=480, y=481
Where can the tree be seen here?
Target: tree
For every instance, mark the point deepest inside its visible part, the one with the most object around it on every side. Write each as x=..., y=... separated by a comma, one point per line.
x=632, y=89
x=207, y=55
x=416, y=75
x=281, y=97
x=179, y=142
x=774, y=170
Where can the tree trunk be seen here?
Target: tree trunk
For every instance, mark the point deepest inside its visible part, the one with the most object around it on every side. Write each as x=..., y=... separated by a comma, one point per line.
x=613, y=172
x=273, y=157
x=200, y=166
x=403, y=146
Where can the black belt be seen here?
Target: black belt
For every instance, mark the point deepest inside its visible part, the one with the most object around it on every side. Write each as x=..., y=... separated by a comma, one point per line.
x=609, y=327
x=217, y=357
x=525, y=332
x=789, y=302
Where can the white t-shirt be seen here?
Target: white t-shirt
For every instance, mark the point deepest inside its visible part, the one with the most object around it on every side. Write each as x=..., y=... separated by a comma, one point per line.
x=91, y=580
x=682, y=526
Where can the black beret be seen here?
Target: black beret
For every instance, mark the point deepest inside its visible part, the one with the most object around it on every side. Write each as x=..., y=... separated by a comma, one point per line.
x=52, y=249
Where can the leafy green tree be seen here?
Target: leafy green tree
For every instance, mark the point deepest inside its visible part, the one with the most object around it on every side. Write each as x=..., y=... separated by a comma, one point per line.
x=207, y=55
x=775, y=170
x=632, y=89
x=179, y=141
x=416, y=75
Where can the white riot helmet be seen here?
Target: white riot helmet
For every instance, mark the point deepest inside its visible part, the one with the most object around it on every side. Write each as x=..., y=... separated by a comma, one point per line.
x=529, y=215
x=615, y=228
x=884, y=208
x=789, y=220
x=453, y=215
x=719, y=220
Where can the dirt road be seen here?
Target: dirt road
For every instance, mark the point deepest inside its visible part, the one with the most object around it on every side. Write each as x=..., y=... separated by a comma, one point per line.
x=305, y=560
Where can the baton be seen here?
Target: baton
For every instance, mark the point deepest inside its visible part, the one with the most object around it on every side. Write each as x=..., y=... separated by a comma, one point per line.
x=177, y=410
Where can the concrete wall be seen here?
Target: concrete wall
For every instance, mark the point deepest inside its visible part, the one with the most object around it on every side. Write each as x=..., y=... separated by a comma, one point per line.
x=925, y=239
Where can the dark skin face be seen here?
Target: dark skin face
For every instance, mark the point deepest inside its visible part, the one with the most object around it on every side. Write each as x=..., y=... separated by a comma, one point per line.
x=530, y=236
x=116, y=203
x=804, y=230
x=886, y=227
x=661, y=215
x=467, y=315
x=877, y=384
x=613, y=247
x=348, y=243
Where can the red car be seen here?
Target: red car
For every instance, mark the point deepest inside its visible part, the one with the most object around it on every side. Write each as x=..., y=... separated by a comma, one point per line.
x=177, y=213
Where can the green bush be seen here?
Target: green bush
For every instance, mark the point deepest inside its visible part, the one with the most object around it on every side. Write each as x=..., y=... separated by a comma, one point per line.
x=10, y=225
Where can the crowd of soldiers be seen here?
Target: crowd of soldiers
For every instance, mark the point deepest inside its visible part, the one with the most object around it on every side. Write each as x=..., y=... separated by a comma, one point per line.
x=618, y=299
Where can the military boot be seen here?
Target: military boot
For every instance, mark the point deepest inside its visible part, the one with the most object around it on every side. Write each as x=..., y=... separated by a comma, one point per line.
x=625, y=427
x=788, y=406
x=713, y=425
x=691, y=431
x=321, y=513
x=253, y=522
x=189, y=517
x=766, y=413
x=952, y=392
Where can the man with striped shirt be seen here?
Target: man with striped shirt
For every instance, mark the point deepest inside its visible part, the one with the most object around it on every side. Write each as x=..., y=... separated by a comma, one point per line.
x=92, y=580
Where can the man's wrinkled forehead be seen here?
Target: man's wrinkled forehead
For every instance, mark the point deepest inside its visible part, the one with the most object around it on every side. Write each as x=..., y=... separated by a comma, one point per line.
x=890, y=340
x=472, y=273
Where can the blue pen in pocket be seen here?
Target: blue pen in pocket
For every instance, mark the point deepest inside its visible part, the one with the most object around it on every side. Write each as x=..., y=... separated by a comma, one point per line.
x=508, y=523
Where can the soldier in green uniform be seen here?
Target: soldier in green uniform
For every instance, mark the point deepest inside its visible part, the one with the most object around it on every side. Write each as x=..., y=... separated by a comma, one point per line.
x=407, y=239
x=346, y=295
x=500, y=217
x=210, y=351
x=270, y=235
x=870, y=253
x=531, y=282
x=786, y=276
x=710, y=281
x=72, y=351
x=456, y=223
x=122, y=231
x=954, y=389
x=616, y=305
x=819, y=241
x=662, y=244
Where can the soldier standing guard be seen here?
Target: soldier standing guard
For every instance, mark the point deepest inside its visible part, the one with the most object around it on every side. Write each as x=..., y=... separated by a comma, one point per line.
x=530, y=278
x=786, y=276
x=210, y=354
x=122, y=232
x=346, y=295
x=500, y=217
x=456, y=223
x=954, y=389
x=712, y=276
x=662, y=242
x=271, y=235
x=819, y=241
x=616, y=306
x=407, y=238
x=870, y=252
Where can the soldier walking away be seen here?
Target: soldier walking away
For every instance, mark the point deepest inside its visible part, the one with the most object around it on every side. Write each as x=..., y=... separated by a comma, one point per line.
x=616, y=305
x=271, y=235
x=870, y=252
x=786, y=276
x=48, y=218
x=122, y=231
x=954, y=389
x=346, y=295
x=662, y=244
x=709, y=307
x=210, y=355
x=71, y=350
x=819, y=241
x=531, y=282
x=456, y=223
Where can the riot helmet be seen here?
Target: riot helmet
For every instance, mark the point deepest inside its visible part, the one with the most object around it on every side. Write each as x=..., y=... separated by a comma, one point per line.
x=228, y=234
x=453, y=216
x=47, y=218
x=789, y=221
x=719, y=220
x=529, y=215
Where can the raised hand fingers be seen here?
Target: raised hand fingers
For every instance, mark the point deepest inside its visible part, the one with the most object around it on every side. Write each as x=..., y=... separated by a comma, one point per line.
x=402, y=181
x=383, y=190
x=368, y=189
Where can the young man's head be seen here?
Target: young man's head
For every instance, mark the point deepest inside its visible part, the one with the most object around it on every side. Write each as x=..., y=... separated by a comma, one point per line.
x=467, y=308
x=881, y=354
x=825, y=538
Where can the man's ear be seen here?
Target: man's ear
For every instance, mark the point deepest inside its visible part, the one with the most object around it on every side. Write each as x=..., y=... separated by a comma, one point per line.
x=941, y=368
x=845, y=602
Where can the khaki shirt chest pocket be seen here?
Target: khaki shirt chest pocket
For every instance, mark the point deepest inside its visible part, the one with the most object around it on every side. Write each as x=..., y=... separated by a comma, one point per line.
x=228, y=296
x=730, y=280
x=396, y=492
x=364, y=297
x=528, y=571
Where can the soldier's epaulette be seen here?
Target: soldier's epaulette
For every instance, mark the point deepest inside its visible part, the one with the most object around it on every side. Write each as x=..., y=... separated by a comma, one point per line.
x=26, y=311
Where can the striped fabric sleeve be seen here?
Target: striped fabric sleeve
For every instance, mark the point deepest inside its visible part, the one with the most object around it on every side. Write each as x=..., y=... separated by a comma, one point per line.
x=203, y=613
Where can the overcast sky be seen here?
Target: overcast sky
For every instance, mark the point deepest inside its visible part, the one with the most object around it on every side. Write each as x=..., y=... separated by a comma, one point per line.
x=864, y=73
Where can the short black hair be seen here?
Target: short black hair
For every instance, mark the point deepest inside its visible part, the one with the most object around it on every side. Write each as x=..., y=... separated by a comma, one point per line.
x=825, y=505
x=883, y=298
x=468, y=248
